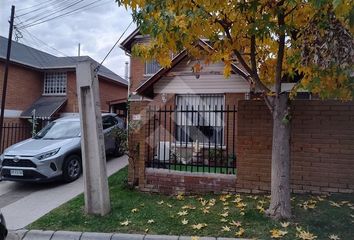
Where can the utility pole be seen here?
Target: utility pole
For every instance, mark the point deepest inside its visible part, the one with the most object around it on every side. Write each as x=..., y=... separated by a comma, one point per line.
x=6, y=73
x=96, y=191
x=78, y=50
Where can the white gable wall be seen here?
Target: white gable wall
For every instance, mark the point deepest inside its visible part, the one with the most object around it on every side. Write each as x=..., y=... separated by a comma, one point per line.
x=180, y=80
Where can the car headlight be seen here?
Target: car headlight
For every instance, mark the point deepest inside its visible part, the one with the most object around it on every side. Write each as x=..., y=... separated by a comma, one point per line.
x=45, y=155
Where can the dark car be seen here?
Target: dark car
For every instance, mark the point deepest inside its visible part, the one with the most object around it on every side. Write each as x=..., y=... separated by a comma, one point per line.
x=3, y=230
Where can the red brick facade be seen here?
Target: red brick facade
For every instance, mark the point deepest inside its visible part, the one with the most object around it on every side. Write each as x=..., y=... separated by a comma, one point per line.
x=322, y=155
x=24, y=86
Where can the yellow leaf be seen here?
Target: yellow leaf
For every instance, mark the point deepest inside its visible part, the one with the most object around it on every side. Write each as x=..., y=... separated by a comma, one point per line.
x=125, y=223
x=334, y=204
x=199, y=226
x=184, y=221
x=240, y=232
x=276, y=233
x=284, y=224
x=223, y=220
x=303, y=235
x=195, y=238
x=180, y=197
x=237, y=224
x=188, y=207
x=225, y=214
x=182, y=213
x=225, y=229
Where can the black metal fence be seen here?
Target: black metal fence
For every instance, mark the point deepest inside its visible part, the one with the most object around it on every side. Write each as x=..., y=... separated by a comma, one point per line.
x=192, y=138
x=14, y=133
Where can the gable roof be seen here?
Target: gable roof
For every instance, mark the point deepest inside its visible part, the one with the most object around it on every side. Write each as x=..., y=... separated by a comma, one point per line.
x=145, y=88
x=34, y=58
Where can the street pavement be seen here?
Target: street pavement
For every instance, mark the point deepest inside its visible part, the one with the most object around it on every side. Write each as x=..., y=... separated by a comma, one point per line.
x=24, y=203
x=65, y=235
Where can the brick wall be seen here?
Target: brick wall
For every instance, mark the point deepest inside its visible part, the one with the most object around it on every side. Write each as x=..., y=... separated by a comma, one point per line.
x=322, y=147
x=108, y=91
x=24, y=86
x=174, y=182
x=137, y=69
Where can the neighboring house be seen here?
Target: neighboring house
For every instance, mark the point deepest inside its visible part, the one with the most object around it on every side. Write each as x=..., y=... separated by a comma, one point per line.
x=47, y=84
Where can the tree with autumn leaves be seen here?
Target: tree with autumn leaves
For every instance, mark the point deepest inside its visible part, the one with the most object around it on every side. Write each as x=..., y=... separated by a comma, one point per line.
x=306, y=42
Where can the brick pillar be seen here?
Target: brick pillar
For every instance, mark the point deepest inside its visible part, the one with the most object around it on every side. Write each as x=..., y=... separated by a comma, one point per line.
x=136, y=139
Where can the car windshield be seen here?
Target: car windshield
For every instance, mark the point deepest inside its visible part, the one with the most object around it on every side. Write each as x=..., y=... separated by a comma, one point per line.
x=60, y=130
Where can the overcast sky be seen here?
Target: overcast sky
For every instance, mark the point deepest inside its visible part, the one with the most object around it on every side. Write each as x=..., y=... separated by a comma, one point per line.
x=97, y=27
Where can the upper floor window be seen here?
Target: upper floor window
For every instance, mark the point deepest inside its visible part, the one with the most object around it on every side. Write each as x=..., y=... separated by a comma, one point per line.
x=55, y=83
x=151, y=67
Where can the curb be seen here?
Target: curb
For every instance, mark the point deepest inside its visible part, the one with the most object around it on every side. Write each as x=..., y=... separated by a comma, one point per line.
x=24, y=234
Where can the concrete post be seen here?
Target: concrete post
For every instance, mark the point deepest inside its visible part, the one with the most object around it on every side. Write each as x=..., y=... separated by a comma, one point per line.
x=92, y=141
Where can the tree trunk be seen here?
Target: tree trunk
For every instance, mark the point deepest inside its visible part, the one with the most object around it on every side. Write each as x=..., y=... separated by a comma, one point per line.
x=280, y=207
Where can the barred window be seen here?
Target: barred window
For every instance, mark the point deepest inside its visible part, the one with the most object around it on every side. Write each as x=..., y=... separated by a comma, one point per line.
x=151, y=67
x=55, y=83
x=200, y=117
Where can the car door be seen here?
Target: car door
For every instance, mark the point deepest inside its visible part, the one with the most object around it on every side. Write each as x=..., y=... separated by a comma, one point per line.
x=108, y=123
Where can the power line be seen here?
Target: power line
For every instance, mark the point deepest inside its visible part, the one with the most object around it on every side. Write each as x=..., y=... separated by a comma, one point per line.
x=48, y=4
x=52, y=13
x=98, y=67
x=62, y=15
x=45, y=10
x=22, y=9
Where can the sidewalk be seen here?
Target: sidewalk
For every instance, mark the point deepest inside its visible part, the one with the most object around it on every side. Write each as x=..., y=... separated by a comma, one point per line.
x=65, y=235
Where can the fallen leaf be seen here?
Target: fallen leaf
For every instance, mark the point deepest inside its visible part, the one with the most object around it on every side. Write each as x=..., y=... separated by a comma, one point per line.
x=225, y=214
x=146, y=230
x=226, y=208
x=303, y=235
x=188, y=207
x=241, y=205
x=169, y=205
x=182, y=213
x=223, y=220
x=334, y=237
x=240, y=232
x=125, y=223
x=237, y=224
x=134, y=210
x=161, y=202
x=225, y=229
x=277, y=233
x=151, y=221
x=180, y=197
x=199, y=226
x=285, y=224
x=334, y=204
x=184, y=221
x=195, y=238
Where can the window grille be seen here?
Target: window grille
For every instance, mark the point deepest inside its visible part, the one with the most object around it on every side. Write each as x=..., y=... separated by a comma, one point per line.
x=55, y=83
x=200, y=118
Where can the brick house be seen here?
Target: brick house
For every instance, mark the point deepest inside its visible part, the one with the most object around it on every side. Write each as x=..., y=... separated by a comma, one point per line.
x=47, y=84
x=191, y=114
x=196, y=132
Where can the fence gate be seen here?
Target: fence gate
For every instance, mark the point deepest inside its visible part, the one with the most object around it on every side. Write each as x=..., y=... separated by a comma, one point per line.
x=192, y=139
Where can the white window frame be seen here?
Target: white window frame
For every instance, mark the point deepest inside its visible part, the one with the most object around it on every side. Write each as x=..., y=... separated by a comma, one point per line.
x=55, y=84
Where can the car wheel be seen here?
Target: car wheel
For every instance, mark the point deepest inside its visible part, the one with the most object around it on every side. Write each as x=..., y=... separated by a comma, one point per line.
x=72, y=168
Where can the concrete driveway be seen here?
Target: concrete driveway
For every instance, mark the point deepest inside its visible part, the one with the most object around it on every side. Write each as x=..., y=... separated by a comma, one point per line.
x=24, y=203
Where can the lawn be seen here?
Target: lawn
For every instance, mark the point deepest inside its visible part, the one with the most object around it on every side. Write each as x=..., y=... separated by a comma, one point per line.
x=211, y=215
